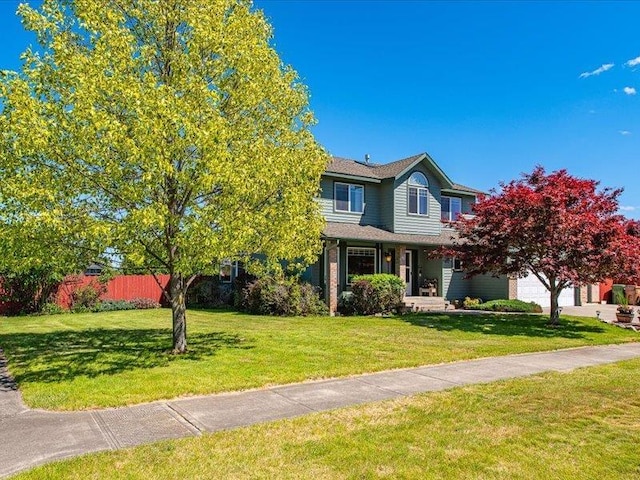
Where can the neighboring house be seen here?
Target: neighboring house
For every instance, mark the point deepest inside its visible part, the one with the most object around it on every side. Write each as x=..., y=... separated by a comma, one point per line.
x=388, y=218
x=94, y=269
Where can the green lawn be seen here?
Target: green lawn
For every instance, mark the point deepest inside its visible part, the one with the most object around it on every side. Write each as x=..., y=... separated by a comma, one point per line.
x=579, y=425
x=84, y=361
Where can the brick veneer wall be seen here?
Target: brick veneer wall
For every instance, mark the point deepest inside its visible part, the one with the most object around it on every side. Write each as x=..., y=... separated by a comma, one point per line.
x=332, y=280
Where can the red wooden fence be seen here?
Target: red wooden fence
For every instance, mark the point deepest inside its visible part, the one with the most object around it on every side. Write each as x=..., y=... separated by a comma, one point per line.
x=122, y=287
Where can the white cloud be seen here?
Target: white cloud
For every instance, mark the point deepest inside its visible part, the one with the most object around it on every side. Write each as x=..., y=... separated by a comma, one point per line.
x=629, y=90
x=597, y=71
x=633, y=62
x=624, y=132
x=628, y=208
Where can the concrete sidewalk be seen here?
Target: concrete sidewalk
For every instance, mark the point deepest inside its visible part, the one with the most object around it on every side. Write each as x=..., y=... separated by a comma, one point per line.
x=32, y=437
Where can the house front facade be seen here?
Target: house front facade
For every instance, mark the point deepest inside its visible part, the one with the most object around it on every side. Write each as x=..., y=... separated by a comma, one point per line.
x=389, y=218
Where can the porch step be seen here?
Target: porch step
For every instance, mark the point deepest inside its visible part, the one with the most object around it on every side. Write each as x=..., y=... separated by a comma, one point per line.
x=424, y=304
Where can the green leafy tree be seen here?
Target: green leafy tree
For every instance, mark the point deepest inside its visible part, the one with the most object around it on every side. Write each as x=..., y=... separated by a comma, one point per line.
x=168, y=131
x=33, y=258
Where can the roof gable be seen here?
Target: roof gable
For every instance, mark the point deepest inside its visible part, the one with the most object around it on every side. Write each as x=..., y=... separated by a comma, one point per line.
x=376, y=171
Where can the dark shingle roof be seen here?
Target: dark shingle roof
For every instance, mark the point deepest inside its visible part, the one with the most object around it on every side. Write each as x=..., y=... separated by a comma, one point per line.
x=351, y=231
x=390, y=170
x=351, y=167
x=372, y=170
x=464, y=188
x=377, y=171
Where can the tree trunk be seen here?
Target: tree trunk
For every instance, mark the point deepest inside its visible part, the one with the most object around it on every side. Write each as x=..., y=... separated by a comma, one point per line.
x=177, y=294
x=554, y=314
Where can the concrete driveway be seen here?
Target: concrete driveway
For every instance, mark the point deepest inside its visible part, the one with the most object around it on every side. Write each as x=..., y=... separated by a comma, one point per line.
x=606, y=313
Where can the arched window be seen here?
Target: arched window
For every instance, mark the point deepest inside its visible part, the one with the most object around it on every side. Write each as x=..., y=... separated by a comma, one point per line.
x=418, y=178
x=418, y=194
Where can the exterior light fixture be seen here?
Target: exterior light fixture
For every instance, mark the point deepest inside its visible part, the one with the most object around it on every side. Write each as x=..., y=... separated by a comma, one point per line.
x=387, y=257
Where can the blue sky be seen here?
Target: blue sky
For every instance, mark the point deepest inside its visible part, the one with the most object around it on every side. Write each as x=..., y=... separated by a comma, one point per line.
x=489, y=90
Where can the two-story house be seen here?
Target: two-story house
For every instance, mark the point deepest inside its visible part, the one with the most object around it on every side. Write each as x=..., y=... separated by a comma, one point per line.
x=388, y=218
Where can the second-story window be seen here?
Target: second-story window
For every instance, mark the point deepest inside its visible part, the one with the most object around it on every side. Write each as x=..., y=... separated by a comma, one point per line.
x=418, y=194
x=349, y=197
x=451, y=208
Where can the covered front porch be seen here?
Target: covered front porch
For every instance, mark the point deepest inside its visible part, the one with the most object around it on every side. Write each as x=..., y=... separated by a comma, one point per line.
x=374, y=250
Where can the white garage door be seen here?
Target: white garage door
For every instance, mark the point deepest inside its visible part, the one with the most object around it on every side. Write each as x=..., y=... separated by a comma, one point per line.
x=531, y=290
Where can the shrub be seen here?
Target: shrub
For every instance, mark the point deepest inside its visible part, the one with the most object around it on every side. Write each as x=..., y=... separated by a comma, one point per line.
x=115, y=305
x=208, y=292
x=85, y=298
x=510, y=306
x=112, y=306
x=471, y=303
x=144, y=303
x=371, y=294
x=363, y=297
x=240, y=283
x=52, y=308
x=267, y=296
x=28, y=291
x=280, y=296
x=310, y=301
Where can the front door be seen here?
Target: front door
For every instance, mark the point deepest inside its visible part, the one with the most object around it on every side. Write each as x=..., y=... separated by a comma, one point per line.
x=408, y=273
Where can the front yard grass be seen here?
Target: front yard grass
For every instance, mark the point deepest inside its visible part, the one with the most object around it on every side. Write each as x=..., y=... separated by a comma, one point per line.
x=579, y=425
x=81, y=361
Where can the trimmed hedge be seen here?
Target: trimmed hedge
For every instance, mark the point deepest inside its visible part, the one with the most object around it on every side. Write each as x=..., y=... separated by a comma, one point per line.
x=509, y=306
x=372, y=294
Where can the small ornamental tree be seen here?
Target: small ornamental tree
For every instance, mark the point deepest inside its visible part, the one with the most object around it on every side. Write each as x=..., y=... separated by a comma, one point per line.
x=558, y=227
x=168, y=133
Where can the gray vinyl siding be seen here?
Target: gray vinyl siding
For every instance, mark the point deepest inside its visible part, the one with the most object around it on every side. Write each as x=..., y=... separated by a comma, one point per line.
x=454, y=285
x=431, y=268
x=371, y=215
x=312, y=273
x=417, y=224
x=487, y=287
x=386, y=200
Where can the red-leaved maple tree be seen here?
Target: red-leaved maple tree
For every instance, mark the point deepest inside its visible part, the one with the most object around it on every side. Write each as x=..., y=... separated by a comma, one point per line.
x=558, y=227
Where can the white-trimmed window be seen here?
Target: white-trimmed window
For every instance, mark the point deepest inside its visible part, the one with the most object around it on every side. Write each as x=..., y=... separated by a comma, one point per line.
x=451, y=208
x=418, y=194
x=228, y=270
x=453, y=263
x=348, y=197
x=360, y=261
